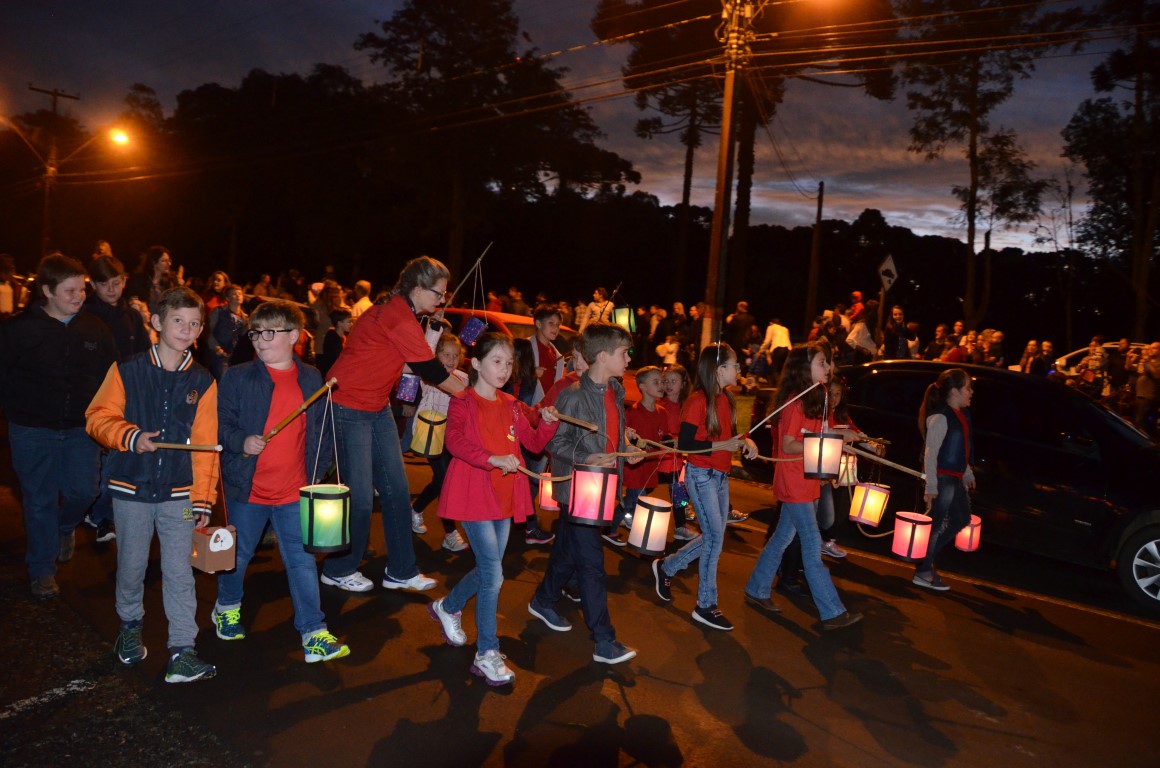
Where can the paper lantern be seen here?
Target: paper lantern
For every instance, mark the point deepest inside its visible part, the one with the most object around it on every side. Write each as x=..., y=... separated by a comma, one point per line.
x=868, y=503
x=679, y=491
x=593, y=496
x=324, y=511
x=911, y=535
x=625, y=318
x=547, y=503
x=650, y=526
x=823, y=454
x=968, y=538
x=430, y=427
x=848, y=470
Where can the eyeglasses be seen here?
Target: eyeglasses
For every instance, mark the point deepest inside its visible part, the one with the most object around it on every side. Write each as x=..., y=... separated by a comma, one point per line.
x=267, y=334
x=441, y=295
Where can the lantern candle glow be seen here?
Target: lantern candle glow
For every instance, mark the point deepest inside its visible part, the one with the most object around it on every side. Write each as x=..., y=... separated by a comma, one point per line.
x=968, y=538
x=547, y=503
x=650, y=526
x=625, y=318
x=324, y=512
x=868, y=503
x=823, y=454
x=911, y=535
x=593, y=496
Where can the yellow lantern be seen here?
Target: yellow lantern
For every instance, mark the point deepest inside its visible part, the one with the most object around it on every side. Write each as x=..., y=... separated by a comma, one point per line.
x=324, y=512
x=968, y=538
x=869, y=503
x=430, y=427
x=650, y=526
x=848, y=470
x=593, y=496
x=911, y=535
x=547, y=503
x=625, y=318
x=823, y=453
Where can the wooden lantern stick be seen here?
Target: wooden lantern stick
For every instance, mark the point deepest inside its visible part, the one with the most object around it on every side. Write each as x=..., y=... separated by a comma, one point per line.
x=588, y=425
x=798, y=396
x=880, y=460
x=297, y=411
x=187, y=447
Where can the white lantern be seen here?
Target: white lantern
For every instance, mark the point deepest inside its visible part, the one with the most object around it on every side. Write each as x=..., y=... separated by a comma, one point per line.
x=823, y=453
x=650, y=526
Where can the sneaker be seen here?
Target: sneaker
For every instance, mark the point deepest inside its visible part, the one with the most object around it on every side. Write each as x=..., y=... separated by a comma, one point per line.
x=684, y=533
x=612, y=652
x=68, y=544
x=847, y=619
x=570, y=592
x=762, y=603
x=417, y=522
x=736, y=516
x=228, y=624
x=454, y=542
x=539, y=536
x=930, y=582
x=832, y=549
x=323, y=646
x=663, y=580
x=614, y=539
x=627, y=521
x=417, y=583
x=44, y=587
x=491, y=667
x=452, y=623
x=128, y=647
x=712, y=617
x=105, y=531
x=89, y=521
x=549, y=616
x=690, y=513
x=185, y=667
x=355, y=582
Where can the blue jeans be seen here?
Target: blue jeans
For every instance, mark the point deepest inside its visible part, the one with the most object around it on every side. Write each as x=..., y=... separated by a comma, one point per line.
x=577, y=556
x=709, y=492
x=488, y=540
x=950, y=512
x=249, y=520
x=59, y=473
x=369, y=457
x=800, y=519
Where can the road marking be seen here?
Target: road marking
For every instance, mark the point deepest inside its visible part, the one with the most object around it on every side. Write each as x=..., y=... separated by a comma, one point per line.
x=1019, y=592
x=73, y=686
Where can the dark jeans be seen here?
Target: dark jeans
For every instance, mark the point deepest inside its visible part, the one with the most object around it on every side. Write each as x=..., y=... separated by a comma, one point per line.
x=950, y=512
x=578, y=556
x=439, y=465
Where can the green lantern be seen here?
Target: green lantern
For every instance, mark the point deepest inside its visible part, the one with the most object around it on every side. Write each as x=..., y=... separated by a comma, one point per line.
x=324, y=511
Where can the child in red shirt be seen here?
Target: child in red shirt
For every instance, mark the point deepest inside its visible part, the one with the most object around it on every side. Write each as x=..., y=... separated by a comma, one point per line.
x=649, y=419
x=485, y=429
x=677, y=386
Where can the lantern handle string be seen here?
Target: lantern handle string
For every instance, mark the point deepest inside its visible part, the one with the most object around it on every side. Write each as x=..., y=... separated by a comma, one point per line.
x=795, y=398
x=474, y=267
x=328, y=411
x=297, y=411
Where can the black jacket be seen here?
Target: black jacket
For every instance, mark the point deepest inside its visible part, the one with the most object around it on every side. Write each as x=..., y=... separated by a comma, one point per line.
x=125, y=323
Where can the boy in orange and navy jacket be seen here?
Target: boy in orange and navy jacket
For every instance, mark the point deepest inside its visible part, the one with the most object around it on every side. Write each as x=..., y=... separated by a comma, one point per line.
x=161, y=395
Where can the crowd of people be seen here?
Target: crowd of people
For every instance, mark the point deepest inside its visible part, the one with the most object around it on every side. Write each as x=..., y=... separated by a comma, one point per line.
x=109, y=387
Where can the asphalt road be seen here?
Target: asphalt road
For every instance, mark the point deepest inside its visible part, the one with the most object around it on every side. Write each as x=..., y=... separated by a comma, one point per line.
x=991, y=673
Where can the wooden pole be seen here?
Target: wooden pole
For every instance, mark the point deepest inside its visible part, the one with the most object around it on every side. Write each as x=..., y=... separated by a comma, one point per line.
x=187, y=447
x=297, y=411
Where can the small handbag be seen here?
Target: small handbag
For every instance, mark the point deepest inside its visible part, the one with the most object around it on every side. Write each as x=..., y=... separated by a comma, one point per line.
x=215, y=546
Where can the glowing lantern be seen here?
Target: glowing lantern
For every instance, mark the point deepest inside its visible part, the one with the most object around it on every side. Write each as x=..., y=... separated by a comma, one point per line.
x=547, y=503
x=848, y=470
x=324, y=511
x=911, y=535
x=679, y=491
x=823, y=454
x=869, y=503
x=625, y=318
x=430, y=426
x=593, y=497
x=650, y=526
x=968, y=538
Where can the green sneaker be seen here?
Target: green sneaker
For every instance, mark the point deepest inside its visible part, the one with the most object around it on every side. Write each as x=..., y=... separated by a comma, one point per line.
x=185, y=667
x=229, y=624
x=129, y=648
x=323, y=646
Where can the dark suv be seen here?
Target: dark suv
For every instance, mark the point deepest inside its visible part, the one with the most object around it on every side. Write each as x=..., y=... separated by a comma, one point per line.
x=1058, y=474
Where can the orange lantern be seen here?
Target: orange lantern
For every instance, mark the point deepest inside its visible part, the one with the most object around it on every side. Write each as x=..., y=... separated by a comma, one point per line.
x=968, y=538
x=593, y=496
x=911, y=535
x=650, y=526
x=547, y=503
x=823, y=454
x=869, y=503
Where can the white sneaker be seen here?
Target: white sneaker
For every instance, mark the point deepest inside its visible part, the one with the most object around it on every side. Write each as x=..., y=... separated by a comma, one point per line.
x=452, y=623
x=453, y=542
x=417, y=583
x=832, y=549
x=684, y=533
x=417, y=522
x=355, y=582
x=627, y=522
x=736, y=516
x=490, y=666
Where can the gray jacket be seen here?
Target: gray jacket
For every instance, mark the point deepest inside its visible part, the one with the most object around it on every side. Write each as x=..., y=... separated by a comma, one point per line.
x=583, y=400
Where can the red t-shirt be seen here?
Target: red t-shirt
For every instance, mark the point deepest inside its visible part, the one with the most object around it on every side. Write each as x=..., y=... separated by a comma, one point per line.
x=789, y=480
x=385, y=337
x=281, y=469
x=548, y=358
x=694, y=412
x=567, y=380
x=651, y=425
x=499, y=439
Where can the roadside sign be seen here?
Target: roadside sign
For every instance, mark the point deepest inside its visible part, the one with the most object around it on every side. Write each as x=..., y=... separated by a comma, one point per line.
x=887, y=273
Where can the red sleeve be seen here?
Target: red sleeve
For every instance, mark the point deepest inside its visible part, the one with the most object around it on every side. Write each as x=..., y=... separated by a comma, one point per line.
x=694, y=412
x=462, y=436
x=532, y=431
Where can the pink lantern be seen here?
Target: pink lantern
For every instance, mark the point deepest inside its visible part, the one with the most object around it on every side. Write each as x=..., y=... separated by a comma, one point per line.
x=911, y=535
x=822, y=455
x=547, y=503
x=968, y=538
x=868, y=503
x=593, y=497
x=650, y=526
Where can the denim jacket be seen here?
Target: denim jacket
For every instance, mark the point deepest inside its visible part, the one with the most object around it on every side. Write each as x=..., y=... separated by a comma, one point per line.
x=583, y=400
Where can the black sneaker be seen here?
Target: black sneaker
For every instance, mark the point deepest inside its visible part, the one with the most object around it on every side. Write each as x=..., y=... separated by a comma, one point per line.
x=841, y=621
x=571, y=592
x=105, y=531
x=712, y=617
x=663, y=580
x=614, y=539
x=538, y=536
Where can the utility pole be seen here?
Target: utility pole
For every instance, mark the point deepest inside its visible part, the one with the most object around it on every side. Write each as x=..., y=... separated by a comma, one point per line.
x=738, y=15
x=50, y=166
x=815, y=263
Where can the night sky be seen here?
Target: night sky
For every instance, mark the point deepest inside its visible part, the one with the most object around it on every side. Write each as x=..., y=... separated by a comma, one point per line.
x=855, y=144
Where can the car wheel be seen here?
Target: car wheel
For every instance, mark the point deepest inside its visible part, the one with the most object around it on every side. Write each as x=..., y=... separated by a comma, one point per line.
x=1139, y=567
